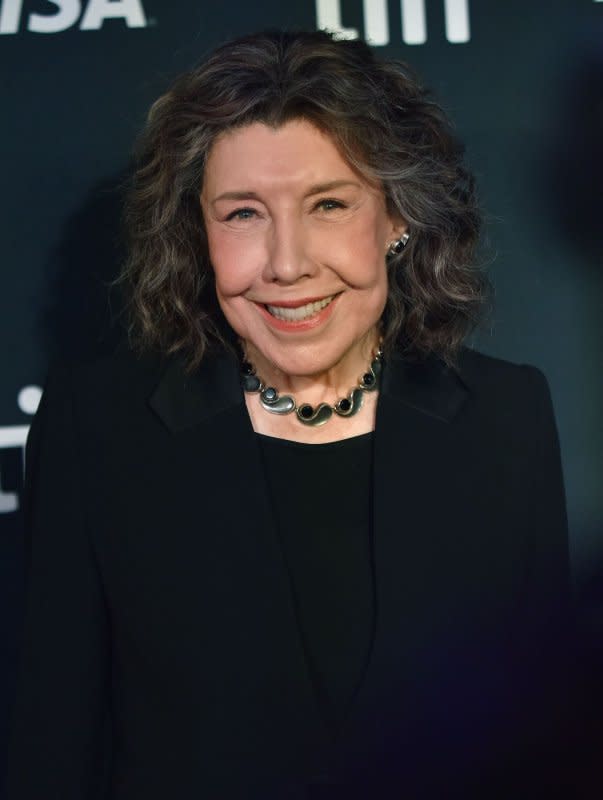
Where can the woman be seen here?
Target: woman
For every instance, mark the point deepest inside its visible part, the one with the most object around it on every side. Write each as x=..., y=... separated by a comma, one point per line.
x=313, y=543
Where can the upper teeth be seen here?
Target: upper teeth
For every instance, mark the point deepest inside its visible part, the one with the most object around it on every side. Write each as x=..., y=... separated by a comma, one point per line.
x=301, y=312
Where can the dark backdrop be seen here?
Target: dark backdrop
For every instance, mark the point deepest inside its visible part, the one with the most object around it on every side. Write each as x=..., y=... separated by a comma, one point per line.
x=524, y=83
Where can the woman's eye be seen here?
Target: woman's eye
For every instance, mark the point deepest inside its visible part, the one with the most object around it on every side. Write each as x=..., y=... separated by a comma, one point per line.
x=329, y=204
x=241, y=213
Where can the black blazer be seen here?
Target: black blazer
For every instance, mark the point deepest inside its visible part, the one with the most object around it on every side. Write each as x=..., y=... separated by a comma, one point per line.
x=161, y=655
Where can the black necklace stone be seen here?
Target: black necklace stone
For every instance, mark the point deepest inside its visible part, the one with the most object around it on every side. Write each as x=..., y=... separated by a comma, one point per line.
x=307, y=414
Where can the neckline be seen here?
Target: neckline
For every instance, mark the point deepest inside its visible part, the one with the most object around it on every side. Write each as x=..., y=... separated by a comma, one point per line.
x=280, y=442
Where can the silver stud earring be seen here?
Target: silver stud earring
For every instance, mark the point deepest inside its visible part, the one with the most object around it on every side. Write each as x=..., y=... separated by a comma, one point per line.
x=396, y=247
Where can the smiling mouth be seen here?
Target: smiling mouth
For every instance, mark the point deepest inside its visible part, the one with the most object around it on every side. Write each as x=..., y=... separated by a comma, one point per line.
x=301, y=312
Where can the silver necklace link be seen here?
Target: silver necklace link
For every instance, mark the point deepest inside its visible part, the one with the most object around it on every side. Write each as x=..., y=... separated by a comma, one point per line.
x=346, y=406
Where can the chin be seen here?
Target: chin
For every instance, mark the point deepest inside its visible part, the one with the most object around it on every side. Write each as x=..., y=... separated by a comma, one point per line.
x=311, y=363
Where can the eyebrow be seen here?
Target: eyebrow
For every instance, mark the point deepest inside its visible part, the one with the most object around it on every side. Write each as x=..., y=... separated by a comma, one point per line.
x=318, y=188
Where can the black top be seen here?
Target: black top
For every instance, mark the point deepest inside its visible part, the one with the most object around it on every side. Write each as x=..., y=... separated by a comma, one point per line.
x=321, y=499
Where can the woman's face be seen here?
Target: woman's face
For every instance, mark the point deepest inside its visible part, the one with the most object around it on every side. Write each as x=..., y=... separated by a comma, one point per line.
x=298, y=242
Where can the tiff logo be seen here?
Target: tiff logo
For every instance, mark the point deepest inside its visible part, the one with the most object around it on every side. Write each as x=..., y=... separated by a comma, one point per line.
x=414, y=26
x=67, y=12
x=15, y=436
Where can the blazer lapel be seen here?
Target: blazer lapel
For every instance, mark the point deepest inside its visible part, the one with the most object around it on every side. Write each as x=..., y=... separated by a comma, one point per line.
x=413, y=484
x=184, y=400
x=209, y=404
x=411, y=490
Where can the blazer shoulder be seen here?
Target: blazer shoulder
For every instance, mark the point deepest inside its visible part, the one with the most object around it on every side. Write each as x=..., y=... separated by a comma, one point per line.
x=516, y=392
x=123, y=368
x=483, y=372
x=475, y=366
x=105, y=386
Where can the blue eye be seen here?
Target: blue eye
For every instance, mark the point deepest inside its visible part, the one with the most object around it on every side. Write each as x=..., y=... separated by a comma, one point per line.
x=241, y=213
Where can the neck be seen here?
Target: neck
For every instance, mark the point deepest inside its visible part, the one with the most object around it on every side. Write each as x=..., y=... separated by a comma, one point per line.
x=326, y=386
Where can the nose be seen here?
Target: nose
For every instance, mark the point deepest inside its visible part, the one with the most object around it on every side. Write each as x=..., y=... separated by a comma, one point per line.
x=287, y=252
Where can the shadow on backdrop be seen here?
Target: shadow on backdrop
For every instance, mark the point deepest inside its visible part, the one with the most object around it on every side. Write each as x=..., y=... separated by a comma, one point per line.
x=80, y=315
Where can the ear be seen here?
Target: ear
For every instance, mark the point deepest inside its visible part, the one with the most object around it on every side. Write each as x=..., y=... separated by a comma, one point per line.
x=398, y=224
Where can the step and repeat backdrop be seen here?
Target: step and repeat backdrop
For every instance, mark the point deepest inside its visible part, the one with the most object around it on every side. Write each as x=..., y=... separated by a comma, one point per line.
x=523, y=80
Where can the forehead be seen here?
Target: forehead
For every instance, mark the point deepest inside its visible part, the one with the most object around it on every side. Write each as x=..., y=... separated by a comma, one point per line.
x=289, y=156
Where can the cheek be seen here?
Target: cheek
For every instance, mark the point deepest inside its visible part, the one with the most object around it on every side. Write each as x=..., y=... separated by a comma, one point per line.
x=235, y=262
x=360, y=255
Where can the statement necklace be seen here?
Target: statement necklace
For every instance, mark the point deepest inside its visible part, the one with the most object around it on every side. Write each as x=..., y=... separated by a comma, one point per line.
x=307, y=414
